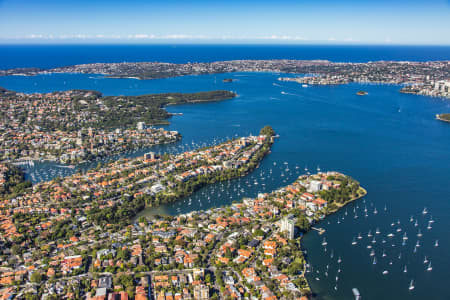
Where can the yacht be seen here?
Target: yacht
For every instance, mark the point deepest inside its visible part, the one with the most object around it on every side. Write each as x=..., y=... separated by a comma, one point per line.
x=324, y=242
x=385, y=272
x=359, y=236
x=425, y=211
x=425, y=260
x=405, y=270
x=377, y=231
x=436, y=243
x=411, y=285
x=429, y=268
x=374, y=261
x=372, y=253
x=354, y=241
x=419, y=234
x=405, y=237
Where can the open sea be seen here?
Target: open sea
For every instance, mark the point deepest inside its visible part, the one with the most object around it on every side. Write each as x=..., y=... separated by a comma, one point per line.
x=388, y=141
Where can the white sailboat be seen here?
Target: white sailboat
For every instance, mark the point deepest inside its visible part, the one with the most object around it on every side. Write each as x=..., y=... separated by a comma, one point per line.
x=429, y=268
x=411, y=285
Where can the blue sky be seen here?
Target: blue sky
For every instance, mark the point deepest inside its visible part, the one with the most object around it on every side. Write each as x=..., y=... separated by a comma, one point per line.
x=232, y=21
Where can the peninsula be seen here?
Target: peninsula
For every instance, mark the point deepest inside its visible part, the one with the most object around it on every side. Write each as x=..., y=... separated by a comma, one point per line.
x=54, y=246
x=77, y=125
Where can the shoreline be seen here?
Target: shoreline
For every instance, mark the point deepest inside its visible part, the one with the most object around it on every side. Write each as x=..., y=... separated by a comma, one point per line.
x=339, y=207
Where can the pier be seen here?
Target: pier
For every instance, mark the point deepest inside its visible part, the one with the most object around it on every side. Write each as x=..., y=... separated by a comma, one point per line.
x=319, y=230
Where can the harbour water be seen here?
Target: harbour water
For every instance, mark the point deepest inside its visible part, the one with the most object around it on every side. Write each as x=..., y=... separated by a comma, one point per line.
x=388, y=141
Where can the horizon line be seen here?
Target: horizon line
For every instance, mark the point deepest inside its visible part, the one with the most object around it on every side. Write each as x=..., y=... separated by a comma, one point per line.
x=180, y=43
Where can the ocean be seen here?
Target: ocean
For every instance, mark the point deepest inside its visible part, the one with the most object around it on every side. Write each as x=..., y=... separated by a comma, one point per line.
x=50, y=56
x=388, y=141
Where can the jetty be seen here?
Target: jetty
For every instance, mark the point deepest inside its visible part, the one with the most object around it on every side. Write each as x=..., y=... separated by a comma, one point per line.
x=319, y=230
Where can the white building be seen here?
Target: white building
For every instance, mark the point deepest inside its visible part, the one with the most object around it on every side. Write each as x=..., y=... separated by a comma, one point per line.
x=140, y=125
x=156, y=188
x=288, y=226
x=315, y=186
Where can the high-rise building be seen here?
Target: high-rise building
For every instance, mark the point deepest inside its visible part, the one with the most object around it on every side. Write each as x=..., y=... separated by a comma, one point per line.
x=288, y=225
x=140, y=125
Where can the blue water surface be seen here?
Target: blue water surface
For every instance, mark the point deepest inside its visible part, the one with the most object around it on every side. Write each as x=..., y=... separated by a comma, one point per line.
x=50, y=56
